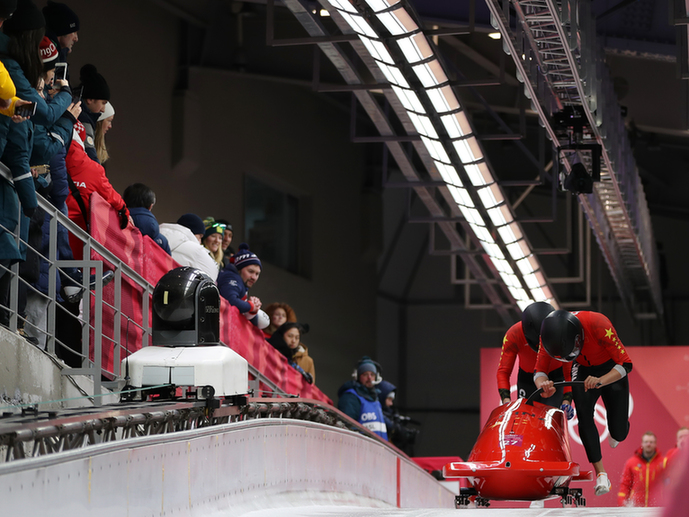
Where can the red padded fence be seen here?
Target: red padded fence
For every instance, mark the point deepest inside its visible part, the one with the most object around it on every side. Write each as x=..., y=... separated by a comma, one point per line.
x=146, y=258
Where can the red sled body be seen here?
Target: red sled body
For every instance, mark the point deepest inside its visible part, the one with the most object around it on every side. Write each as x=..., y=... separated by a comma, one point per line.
x=521, y=454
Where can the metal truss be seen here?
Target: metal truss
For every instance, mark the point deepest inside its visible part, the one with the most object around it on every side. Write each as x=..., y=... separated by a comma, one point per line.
x=553, y=44
x=34, y=433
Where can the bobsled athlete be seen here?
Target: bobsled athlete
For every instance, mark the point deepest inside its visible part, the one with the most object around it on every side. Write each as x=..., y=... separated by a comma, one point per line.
x=600, y=360
x=521, y=340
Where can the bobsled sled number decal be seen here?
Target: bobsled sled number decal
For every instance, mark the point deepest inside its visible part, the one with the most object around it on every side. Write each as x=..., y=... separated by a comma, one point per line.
x=514, y=439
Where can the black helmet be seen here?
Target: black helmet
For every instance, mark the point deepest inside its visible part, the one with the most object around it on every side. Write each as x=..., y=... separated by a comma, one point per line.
x=562, y=335
x=532, y=318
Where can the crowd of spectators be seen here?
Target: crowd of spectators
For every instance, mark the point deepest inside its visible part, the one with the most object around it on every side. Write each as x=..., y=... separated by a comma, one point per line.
x=53, y=140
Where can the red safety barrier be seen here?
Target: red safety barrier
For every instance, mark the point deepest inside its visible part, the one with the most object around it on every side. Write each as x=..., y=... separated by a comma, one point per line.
x=146, y=258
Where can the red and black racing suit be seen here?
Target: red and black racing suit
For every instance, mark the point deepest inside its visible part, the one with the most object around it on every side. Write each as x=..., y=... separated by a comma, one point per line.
x=601, y=351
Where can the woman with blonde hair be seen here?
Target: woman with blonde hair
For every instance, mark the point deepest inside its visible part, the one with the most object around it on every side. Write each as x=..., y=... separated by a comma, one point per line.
x=103, y=126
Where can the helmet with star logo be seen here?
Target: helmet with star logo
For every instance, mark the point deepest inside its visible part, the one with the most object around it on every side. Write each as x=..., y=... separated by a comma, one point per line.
x=562, y=335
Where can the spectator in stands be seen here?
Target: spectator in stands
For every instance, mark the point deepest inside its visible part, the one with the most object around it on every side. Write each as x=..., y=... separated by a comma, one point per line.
x=287, y=340
x=86, y=177
x=237, y=278
x=227, y=238
x=212, y=241
x=62, y=25
x=641, y=473
x=682, y=443
x=19, y=46
x=279, y=314
x=102, y=127
x=184, y=239
x=140, y=200
x=358, y=398
x=95, y=94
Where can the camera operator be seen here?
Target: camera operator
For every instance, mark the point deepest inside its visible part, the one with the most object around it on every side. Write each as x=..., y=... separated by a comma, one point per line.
x=399, y=434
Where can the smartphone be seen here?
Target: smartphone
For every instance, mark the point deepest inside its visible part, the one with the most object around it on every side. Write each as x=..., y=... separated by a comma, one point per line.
x=25, y=110
x=61, y=71
x=76, y=95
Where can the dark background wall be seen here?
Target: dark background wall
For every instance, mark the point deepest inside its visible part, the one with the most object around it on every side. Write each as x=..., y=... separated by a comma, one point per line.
x=195, y=134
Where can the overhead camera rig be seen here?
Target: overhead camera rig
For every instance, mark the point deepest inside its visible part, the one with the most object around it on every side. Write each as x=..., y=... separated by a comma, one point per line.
x=575, y=146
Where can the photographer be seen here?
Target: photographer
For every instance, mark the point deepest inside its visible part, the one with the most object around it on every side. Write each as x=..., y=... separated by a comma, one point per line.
x=399, y=434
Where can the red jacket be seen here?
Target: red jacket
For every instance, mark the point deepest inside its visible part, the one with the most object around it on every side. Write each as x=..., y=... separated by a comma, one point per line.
x=639, y=478
x=89, y=177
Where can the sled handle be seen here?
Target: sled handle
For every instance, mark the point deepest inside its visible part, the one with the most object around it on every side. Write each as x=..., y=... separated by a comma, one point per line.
x=555, y=384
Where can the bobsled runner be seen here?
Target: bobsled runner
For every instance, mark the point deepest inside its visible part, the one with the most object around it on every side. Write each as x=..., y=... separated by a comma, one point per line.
x=521, y=454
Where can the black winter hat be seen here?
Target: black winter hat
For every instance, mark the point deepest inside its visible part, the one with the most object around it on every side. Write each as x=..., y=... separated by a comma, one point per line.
x=27, y=17
x=93, y=84
x=60, y=19
x=193, y=222
x=7, y=7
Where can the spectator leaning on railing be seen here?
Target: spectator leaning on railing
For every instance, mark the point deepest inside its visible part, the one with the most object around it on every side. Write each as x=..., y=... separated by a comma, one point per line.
x=140, y=200
x=235, y=281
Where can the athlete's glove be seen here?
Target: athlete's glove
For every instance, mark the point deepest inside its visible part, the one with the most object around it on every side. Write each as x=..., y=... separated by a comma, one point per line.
x=569, y=410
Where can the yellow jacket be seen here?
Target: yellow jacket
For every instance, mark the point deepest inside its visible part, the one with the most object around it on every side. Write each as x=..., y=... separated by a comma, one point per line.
x=7, y=91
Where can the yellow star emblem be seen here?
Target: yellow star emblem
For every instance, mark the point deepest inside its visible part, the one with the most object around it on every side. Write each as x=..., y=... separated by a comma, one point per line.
x=504, y=340
x=608, y=332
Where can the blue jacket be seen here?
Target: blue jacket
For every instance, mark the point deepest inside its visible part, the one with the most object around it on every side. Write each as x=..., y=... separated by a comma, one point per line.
x=147, y=223
x=232, y=288
x=16, y=142
x=361, y=404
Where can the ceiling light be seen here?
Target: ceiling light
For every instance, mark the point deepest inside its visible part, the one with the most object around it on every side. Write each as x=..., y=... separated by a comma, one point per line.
x=343, y=5
x=359, y=25
x=423, y=125
x=449, y=174
x=430, y=74
x=456, y=124
x=377, y=50
x=324, y=12
x=443, y=99
x=415, y=48
x=519, y=250
x=409, y=99
x=381, y=5
x=494, y=35
x=469, y=152
x=393, y=75
x=436, y=149
x=479, y=174
x=510, y=232
x=461, y=197
x=398, y=22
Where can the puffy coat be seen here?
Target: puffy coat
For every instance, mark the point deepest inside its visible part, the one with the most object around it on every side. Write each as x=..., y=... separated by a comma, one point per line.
x=185, y=249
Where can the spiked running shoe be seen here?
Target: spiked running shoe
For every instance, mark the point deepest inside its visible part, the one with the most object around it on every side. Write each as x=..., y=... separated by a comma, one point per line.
x=602, y=484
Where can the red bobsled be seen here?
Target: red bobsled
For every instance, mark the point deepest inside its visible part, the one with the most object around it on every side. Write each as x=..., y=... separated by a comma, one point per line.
x=521, y=454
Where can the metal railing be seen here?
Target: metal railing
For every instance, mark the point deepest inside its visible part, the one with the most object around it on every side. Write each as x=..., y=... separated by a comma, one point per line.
x=92, y=333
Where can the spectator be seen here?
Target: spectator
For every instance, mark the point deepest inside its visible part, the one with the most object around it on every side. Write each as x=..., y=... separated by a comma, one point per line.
x=62, y=25
x=140, y=200
x=234, y=283
x=358, y=398
x=399, y=434
x=184, y=239
x=682, y=443
x=279, y=314
x=212, y=241
x=19, y=46
x=227, y=238
x=602, y=363
x=102, y=127
x=287, y=340
x=95, y=94
x=86, y=177
x=521, y=340
x=640, y=474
